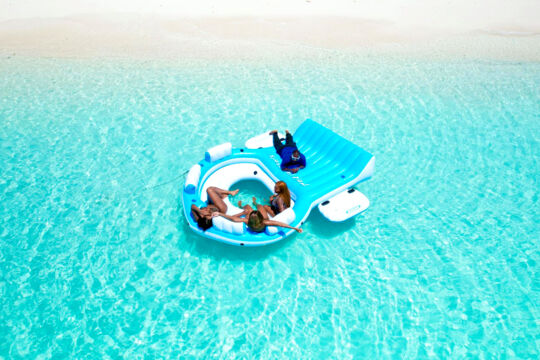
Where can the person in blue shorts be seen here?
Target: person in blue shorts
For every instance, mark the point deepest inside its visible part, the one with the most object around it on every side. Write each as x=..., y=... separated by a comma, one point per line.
x=291, y=158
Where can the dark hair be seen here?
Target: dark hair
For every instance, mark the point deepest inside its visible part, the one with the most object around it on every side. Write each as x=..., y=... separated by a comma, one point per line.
x=204, y=223
x=255, y=219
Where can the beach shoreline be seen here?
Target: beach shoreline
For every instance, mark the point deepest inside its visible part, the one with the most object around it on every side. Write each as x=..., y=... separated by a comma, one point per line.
x=213, y=33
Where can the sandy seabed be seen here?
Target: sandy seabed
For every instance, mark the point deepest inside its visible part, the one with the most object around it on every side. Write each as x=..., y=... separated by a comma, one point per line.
x=256, y=30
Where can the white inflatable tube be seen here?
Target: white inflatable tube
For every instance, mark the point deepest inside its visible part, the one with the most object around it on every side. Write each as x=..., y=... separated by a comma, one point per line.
x=263, y=140
x=192, y=179
x=287, y=216
x=228, y=226
x=218, y=152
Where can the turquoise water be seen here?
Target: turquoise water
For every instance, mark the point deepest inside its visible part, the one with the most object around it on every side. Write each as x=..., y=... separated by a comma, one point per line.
x=96, y=260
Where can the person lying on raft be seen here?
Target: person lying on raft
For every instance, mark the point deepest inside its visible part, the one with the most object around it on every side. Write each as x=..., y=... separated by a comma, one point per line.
x=291, y=158
x=203, y=216
x=256, y=220
x=280, y=201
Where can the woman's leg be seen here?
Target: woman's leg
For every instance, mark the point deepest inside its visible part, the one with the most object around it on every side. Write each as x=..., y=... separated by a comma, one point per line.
x=289, y=140
x=278, y=145
x=246, y=209
x=261, y=209
x=216, y=196
x=269, y=210
x=223, y=193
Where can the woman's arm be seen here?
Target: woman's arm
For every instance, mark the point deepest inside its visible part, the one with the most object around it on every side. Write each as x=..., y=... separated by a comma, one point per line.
x=196, y=212
x=228, y=217
x=279, y=223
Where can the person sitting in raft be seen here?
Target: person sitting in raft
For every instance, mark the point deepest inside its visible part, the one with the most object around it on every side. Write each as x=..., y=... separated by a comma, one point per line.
x=291, y=159
x=280, y=201
x=203, y=216
x=256, y=220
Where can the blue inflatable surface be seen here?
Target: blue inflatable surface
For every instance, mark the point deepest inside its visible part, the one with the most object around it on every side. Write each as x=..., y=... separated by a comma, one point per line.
x=334, y=164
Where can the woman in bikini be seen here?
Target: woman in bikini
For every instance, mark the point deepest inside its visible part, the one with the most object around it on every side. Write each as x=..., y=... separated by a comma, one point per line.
x=203, y=216
x=280, y=201
x=256, y=220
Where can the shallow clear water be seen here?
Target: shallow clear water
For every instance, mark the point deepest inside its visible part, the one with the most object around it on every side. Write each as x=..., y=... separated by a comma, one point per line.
x=96, y=260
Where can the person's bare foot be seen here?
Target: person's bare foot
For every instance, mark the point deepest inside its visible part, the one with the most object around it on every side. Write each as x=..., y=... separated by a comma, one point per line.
x=272, y=132
x=234, y=192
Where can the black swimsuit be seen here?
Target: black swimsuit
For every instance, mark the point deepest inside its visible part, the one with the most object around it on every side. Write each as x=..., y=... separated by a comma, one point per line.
x=274, y=205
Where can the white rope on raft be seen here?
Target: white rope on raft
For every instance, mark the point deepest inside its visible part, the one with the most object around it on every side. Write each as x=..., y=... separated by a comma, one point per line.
x=144, y=188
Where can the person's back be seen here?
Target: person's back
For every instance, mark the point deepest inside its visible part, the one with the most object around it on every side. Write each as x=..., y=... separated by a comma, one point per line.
x=291, y=158
x=281, y=199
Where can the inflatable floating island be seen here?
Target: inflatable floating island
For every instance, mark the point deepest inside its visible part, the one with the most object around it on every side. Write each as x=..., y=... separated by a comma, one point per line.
x=334, y=166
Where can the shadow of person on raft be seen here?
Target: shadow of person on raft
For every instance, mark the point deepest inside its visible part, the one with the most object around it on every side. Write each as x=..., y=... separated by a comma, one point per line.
x=324, y=228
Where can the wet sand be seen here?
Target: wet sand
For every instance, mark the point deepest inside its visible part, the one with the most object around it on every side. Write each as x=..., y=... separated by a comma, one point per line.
x=421, y=30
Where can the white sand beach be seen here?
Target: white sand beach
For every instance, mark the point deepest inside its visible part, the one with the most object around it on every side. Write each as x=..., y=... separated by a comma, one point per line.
x=260, y=29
